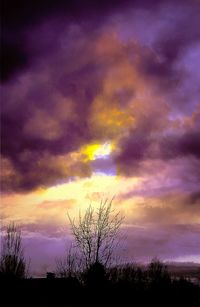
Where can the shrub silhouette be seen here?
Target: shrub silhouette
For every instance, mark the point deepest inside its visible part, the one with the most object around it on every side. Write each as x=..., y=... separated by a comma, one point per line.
x=12, y=267
x=95, y=275
x=157, y=271
x=12, y=262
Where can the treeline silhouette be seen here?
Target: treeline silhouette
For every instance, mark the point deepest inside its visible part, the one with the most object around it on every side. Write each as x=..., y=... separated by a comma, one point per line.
x=124, y=285
x=88, y=276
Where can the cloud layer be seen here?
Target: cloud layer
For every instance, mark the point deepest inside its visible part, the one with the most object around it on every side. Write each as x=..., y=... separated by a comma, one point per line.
x=80, y=74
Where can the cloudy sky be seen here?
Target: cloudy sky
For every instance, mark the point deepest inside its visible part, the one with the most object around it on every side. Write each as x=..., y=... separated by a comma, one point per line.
x=102, y=98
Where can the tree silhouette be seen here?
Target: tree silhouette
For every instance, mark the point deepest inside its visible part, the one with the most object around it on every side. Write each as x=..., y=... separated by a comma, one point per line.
x=12, y=261
x=157, y=271
x=95, y=276
x=70, y=266
x=95, y=233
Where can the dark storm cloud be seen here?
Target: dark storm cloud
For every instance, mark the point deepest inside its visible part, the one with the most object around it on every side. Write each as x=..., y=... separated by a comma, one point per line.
x=24, y=13
x=51, y=69
x=46, y=119
x=19, y=21
x=187, y=144
x=148, y=144
x=133, y=151
x=13, y=58
x=80, y=85
x=194, y=199
x=171, y=43
x=19, y=17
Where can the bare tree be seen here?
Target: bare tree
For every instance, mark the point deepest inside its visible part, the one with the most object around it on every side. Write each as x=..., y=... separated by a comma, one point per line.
x=96, y=232
x=157, y=271
x=70, y=266
x=12, y=261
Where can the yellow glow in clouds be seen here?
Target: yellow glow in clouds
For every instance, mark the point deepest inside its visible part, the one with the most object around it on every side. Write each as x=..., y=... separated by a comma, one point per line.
x=96, y=151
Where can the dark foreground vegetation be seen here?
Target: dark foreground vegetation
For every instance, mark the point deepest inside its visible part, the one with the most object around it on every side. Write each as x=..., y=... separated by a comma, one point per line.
x=118, y=286
x=87, y=274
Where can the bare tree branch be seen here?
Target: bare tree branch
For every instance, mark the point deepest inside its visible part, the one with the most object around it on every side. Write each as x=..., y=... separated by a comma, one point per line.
x=95, y=232
x=12, y=261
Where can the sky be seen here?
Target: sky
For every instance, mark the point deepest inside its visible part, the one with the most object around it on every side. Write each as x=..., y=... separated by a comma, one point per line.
x=102, y=99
